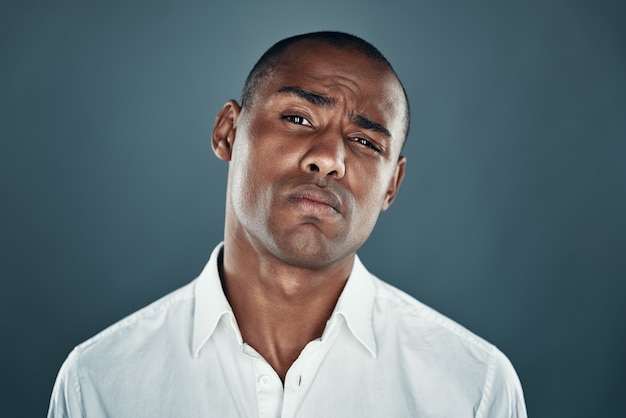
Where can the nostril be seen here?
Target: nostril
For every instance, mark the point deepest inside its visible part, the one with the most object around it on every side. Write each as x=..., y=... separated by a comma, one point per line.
x=314, y=167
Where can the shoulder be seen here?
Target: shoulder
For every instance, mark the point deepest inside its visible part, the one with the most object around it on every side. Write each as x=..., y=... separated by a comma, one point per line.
x=428, y=341
x=121, y=353
x=134, y=333
x=412, y=316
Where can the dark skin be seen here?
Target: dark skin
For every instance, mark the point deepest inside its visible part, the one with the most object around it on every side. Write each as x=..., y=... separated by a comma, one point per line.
x=313, y=160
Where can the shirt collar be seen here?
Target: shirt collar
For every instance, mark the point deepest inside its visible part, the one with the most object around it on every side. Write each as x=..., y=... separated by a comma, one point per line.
x=355, y=304
x=210, y=303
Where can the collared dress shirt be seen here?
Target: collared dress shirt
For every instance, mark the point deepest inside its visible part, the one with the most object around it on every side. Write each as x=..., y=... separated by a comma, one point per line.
x=382, y=354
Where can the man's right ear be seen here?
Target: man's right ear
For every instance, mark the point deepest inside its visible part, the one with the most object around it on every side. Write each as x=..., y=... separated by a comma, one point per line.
x=224, y=130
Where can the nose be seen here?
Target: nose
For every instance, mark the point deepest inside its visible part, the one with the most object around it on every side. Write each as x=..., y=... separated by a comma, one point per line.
x=325, y=156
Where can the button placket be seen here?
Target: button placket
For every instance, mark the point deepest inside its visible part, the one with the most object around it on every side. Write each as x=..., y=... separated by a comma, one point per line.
x=269, y=390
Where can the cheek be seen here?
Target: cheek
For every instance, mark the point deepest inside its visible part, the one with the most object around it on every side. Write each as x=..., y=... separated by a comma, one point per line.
x=369, y=189
x=370, y=186
x=244, y=186
x=254, y=171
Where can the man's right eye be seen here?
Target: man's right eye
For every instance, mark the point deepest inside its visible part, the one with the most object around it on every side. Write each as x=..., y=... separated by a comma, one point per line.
x=297, y=120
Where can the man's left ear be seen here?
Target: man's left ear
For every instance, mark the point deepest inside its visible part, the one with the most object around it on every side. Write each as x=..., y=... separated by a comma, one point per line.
x=395, y=182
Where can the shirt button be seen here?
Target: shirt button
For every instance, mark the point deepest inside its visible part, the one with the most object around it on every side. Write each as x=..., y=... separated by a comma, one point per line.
x=265, y=380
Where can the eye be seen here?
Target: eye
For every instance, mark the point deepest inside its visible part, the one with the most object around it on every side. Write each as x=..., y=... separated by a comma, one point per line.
x=297, y=120
x=366, y=143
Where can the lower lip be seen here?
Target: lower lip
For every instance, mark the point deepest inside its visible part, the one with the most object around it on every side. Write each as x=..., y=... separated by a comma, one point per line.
x=312, y=207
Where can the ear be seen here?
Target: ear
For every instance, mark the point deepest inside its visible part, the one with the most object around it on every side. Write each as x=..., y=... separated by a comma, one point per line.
x=394, y=184
x=224, y=130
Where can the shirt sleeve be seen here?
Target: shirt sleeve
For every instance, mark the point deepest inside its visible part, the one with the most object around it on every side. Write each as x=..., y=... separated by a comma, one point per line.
x=65, y=401
x=502, y=395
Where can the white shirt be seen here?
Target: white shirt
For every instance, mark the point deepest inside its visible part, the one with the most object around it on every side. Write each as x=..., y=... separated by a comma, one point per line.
x=382, y=354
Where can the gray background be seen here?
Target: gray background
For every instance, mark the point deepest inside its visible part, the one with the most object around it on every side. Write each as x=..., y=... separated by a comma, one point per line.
x=511, y=218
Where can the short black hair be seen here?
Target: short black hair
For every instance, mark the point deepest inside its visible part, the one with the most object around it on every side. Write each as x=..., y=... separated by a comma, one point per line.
x=270, y=59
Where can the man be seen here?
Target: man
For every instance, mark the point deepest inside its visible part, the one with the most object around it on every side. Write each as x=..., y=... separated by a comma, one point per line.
x=285, y=321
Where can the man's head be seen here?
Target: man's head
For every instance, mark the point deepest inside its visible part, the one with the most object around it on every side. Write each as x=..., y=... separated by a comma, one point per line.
x=314, y=149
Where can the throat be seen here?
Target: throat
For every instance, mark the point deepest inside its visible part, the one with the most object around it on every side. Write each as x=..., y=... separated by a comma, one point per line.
x=280, y=338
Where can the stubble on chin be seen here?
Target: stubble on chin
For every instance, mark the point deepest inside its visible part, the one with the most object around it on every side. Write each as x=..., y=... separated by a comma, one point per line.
x=306, y=246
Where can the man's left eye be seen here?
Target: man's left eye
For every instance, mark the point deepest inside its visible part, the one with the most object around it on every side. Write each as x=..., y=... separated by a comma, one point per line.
x=366, y=143
x=298, y=120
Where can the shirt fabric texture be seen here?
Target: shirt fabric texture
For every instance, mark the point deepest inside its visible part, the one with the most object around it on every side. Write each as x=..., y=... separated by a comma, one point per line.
x=382, y=354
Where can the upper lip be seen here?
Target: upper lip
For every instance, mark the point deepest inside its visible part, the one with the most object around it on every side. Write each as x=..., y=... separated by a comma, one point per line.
x=316, y=194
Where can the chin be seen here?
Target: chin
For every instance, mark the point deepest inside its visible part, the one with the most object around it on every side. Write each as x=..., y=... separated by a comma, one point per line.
x=303, y=250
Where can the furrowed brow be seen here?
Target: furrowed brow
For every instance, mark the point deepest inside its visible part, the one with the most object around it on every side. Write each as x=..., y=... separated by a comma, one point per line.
x=309, y=96
x=365, y=123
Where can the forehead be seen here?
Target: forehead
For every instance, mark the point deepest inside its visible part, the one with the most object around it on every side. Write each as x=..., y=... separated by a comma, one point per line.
x=350, y=77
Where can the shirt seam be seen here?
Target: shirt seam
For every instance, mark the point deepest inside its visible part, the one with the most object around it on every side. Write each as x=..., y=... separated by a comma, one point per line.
x=427, y=313
x=487, y=388
x=77, y=387
x=179, y=295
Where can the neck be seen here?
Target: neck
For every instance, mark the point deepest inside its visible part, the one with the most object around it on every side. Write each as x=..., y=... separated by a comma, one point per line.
x=279, y=307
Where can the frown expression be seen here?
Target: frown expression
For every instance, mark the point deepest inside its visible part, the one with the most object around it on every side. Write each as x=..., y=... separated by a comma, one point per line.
x=316, y=156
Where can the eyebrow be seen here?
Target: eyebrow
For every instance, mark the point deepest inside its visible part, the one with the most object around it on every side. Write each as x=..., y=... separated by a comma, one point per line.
x=309, y=96
x=325, y=101
x=370, y=125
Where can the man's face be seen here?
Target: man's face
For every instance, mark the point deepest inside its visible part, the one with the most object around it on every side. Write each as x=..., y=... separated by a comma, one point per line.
x=315, y=157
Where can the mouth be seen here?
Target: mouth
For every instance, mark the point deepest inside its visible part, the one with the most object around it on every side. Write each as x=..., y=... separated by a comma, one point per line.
x=315, y=201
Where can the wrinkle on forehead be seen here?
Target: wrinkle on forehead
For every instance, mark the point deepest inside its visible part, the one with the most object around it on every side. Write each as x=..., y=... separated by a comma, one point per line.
x=330, y=80
x=343, y=84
